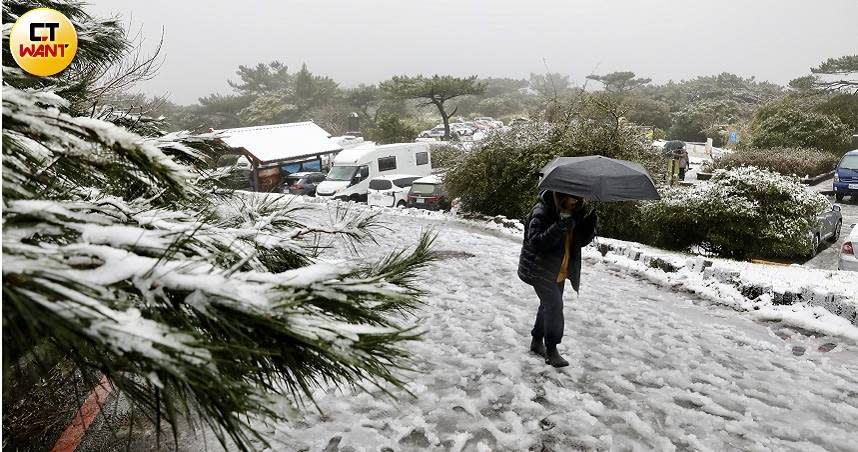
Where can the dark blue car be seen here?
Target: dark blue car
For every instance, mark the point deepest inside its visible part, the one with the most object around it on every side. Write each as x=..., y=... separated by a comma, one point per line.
x=846, y=176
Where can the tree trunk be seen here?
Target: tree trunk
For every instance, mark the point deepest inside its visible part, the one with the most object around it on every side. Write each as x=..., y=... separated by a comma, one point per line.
x=444, y=117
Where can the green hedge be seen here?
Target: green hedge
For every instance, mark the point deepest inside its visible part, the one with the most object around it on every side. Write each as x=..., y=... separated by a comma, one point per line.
x=786, y=161
x=798, y=126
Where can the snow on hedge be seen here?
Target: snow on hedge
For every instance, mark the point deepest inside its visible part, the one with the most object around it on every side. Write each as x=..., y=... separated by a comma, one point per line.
x=741, y=212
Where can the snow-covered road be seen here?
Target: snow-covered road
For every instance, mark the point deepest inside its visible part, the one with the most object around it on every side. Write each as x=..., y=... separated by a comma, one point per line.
x=651, y=368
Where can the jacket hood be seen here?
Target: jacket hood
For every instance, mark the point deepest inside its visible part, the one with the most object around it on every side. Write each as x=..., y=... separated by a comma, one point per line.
x=546, y=197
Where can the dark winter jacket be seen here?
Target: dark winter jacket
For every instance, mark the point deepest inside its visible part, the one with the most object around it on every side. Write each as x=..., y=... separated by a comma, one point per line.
x=542, y=250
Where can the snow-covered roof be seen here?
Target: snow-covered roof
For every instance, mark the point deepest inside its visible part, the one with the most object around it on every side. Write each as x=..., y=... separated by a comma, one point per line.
x=280, y=142
x=354, y=154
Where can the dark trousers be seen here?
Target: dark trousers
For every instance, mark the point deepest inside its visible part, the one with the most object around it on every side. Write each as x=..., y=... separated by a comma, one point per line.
x=682, y=173
x=549, y=317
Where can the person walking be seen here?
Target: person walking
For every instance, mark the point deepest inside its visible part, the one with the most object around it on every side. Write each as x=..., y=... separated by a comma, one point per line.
x=682, y=155
x=558, y=226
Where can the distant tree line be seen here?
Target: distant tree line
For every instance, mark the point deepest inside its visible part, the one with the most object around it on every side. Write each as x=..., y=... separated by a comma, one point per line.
x=816, y=110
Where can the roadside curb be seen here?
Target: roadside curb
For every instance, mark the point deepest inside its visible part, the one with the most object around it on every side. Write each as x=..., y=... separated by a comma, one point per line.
x=755, y=293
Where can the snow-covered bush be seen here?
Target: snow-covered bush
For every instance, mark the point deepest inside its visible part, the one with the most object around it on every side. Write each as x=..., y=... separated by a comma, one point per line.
x=787, y=161
x=500, y=175
x=799, y=127
x=122, y=257
x=742, y=212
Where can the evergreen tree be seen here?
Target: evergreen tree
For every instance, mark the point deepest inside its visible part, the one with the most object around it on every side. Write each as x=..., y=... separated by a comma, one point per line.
x=837, y=74
x=620, y=82
x=282, y=97
x=123, y=258
x=436, y=90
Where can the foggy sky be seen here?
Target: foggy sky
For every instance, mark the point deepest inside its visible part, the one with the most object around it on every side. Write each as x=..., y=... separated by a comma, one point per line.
x=366, y=41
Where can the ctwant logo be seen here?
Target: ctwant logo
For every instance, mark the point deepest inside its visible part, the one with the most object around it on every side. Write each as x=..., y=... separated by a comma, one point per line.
x=43, y=41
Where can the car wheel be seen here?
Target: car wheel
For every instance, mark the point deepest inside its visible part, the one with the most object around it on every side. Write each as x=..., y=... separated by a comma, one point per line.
x=838, y=197
x=400, y=204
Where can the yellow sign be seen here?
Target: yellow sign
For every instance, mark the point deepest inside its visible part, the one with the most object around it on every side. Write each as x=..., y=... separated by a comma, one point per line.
x=43, y=41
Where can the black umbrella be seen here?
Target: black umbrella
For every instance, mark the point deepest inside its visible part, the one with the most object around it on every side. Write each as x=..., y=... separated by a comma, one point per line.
x=598, y=178
x=673, y=145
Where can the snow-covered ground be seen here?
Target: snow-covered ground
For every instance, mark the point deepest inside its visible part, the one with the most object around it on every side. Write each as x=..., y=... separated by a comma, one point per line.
x=829, y=298
x=652, y=369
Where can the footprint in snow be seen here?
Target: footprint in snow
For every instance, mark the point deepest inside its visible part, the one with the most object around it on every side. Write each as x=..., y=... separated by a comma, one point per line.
x=827, y=347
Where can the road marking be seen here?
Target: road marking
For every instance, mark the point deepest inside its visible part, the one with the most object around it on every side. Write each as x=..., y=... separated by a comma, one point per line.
x=87, y=413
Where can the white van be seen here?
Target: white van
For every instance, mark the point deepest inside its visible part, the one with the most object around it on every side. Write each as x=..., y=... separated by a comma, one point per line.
x=353, y=168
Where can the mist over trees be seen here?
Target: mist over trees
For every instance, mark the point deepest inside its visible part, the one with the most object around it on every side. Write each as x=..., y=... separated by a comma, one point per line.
x=708, y=106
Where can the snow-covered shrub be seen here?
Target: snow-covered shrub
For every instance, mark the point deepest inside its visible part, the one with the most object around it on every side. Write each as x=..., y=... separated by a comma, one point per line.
x=799, y=127
x=500, y=175
x=800, y=162
x=742, y=212
x=447, y=156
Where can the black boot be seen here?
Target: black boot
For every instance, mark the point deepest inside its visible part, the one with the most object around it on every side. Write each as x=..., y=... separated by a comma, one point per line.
x=552, y=356
x=536, y=346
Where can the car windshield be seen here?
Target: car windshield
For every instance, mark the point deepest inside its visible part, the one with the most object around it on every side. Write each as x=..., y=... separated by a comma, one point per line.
x=379, y=184
x=341, y=173
x=850, y=162
x=423, y=189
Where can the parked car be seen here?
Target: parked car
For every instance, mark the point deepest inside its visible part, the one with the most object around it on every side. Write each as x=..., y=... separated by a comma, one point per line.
x=489, y=121
x=848, y=261
x=828, y=227
x=479, y=126
x=390, y=190
x=462, y=129
x=303, y=183
x=492, y=122
x=846, y=176
x=435, y=132
x=456, y=128
x=428, y=193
